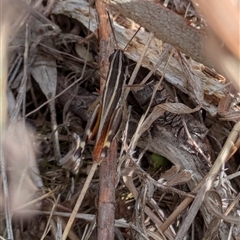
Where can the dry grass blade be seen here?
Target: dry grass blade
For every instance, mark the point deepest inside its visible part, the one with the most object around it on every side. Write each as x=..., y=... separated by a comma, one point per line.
x=79, y=201
x=144, y=119
x=53, y=98
x=136, y=69
x=21, y=97
x=49, y=220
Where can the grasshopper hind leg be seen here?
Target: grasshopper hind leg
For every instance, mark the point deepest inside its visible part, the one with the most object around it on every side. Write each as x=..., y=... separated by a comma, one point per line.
x=113, y=128
x=90, y=131
x=73, y=159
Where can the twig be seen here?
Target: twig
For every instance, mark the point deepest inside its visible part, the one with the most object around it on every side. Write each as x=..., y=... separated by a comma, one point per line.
x=139, y=63
x=106, y=203
x=106, y=206
x=87, y=217
x=79, y=200
x=56, y=147
x=49, y=219
x=103, y=31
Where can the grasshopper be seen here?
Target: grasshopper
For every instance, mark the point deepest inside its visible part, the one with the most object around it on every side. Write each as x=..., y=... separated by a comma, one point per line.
x=106, y=117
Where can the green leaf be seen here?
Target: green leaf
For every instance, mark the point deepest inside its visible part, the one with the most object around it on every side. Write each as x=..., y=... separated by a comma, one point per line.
x=158, y=161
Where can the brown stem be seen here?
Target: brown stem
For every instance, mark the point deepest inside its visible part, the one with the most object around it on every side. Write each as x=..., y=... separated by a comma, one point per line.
x=103, y=31
x=106, y=203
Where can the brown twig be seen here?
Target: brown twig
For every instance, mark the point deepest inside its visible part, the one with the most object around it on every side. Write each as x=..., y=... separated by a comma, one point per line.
x=106, y=207
x=106, y=203
x=79, y=201
x=103, y=31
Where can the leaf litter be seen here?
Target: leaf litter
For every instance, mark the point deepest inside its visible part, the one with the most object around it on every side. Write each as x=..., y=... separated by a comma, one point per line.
x=51, y=85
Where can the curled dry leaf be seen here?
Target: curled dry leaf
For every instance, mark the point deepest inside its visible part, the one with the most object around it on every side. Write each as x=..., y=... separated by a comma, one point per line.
x=45, y=74
x=158, y=111
x=174, y=176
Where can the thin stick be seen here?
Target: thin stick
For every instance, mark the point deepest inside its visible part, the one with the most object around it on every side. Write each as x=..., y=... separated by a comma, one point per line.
x=133, y=36
x=139, y=63
x=79, y=201
x=106, y=206
x=114, y=36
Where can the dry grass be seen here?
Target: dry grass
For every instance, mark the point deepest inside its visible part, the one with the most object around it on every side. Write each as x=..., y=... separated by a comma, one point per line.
x=52, y=80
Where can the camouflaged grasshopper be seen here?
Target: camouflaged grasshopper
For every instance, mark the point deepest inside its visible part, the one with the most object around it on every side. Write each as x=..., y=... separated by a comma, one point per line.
x=107, y=115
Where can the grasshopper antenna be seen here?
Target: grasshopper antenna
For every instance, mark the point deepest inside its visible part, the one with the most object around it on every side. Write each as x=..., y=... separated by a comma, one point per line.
x=114, y=36
x=132, y=38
